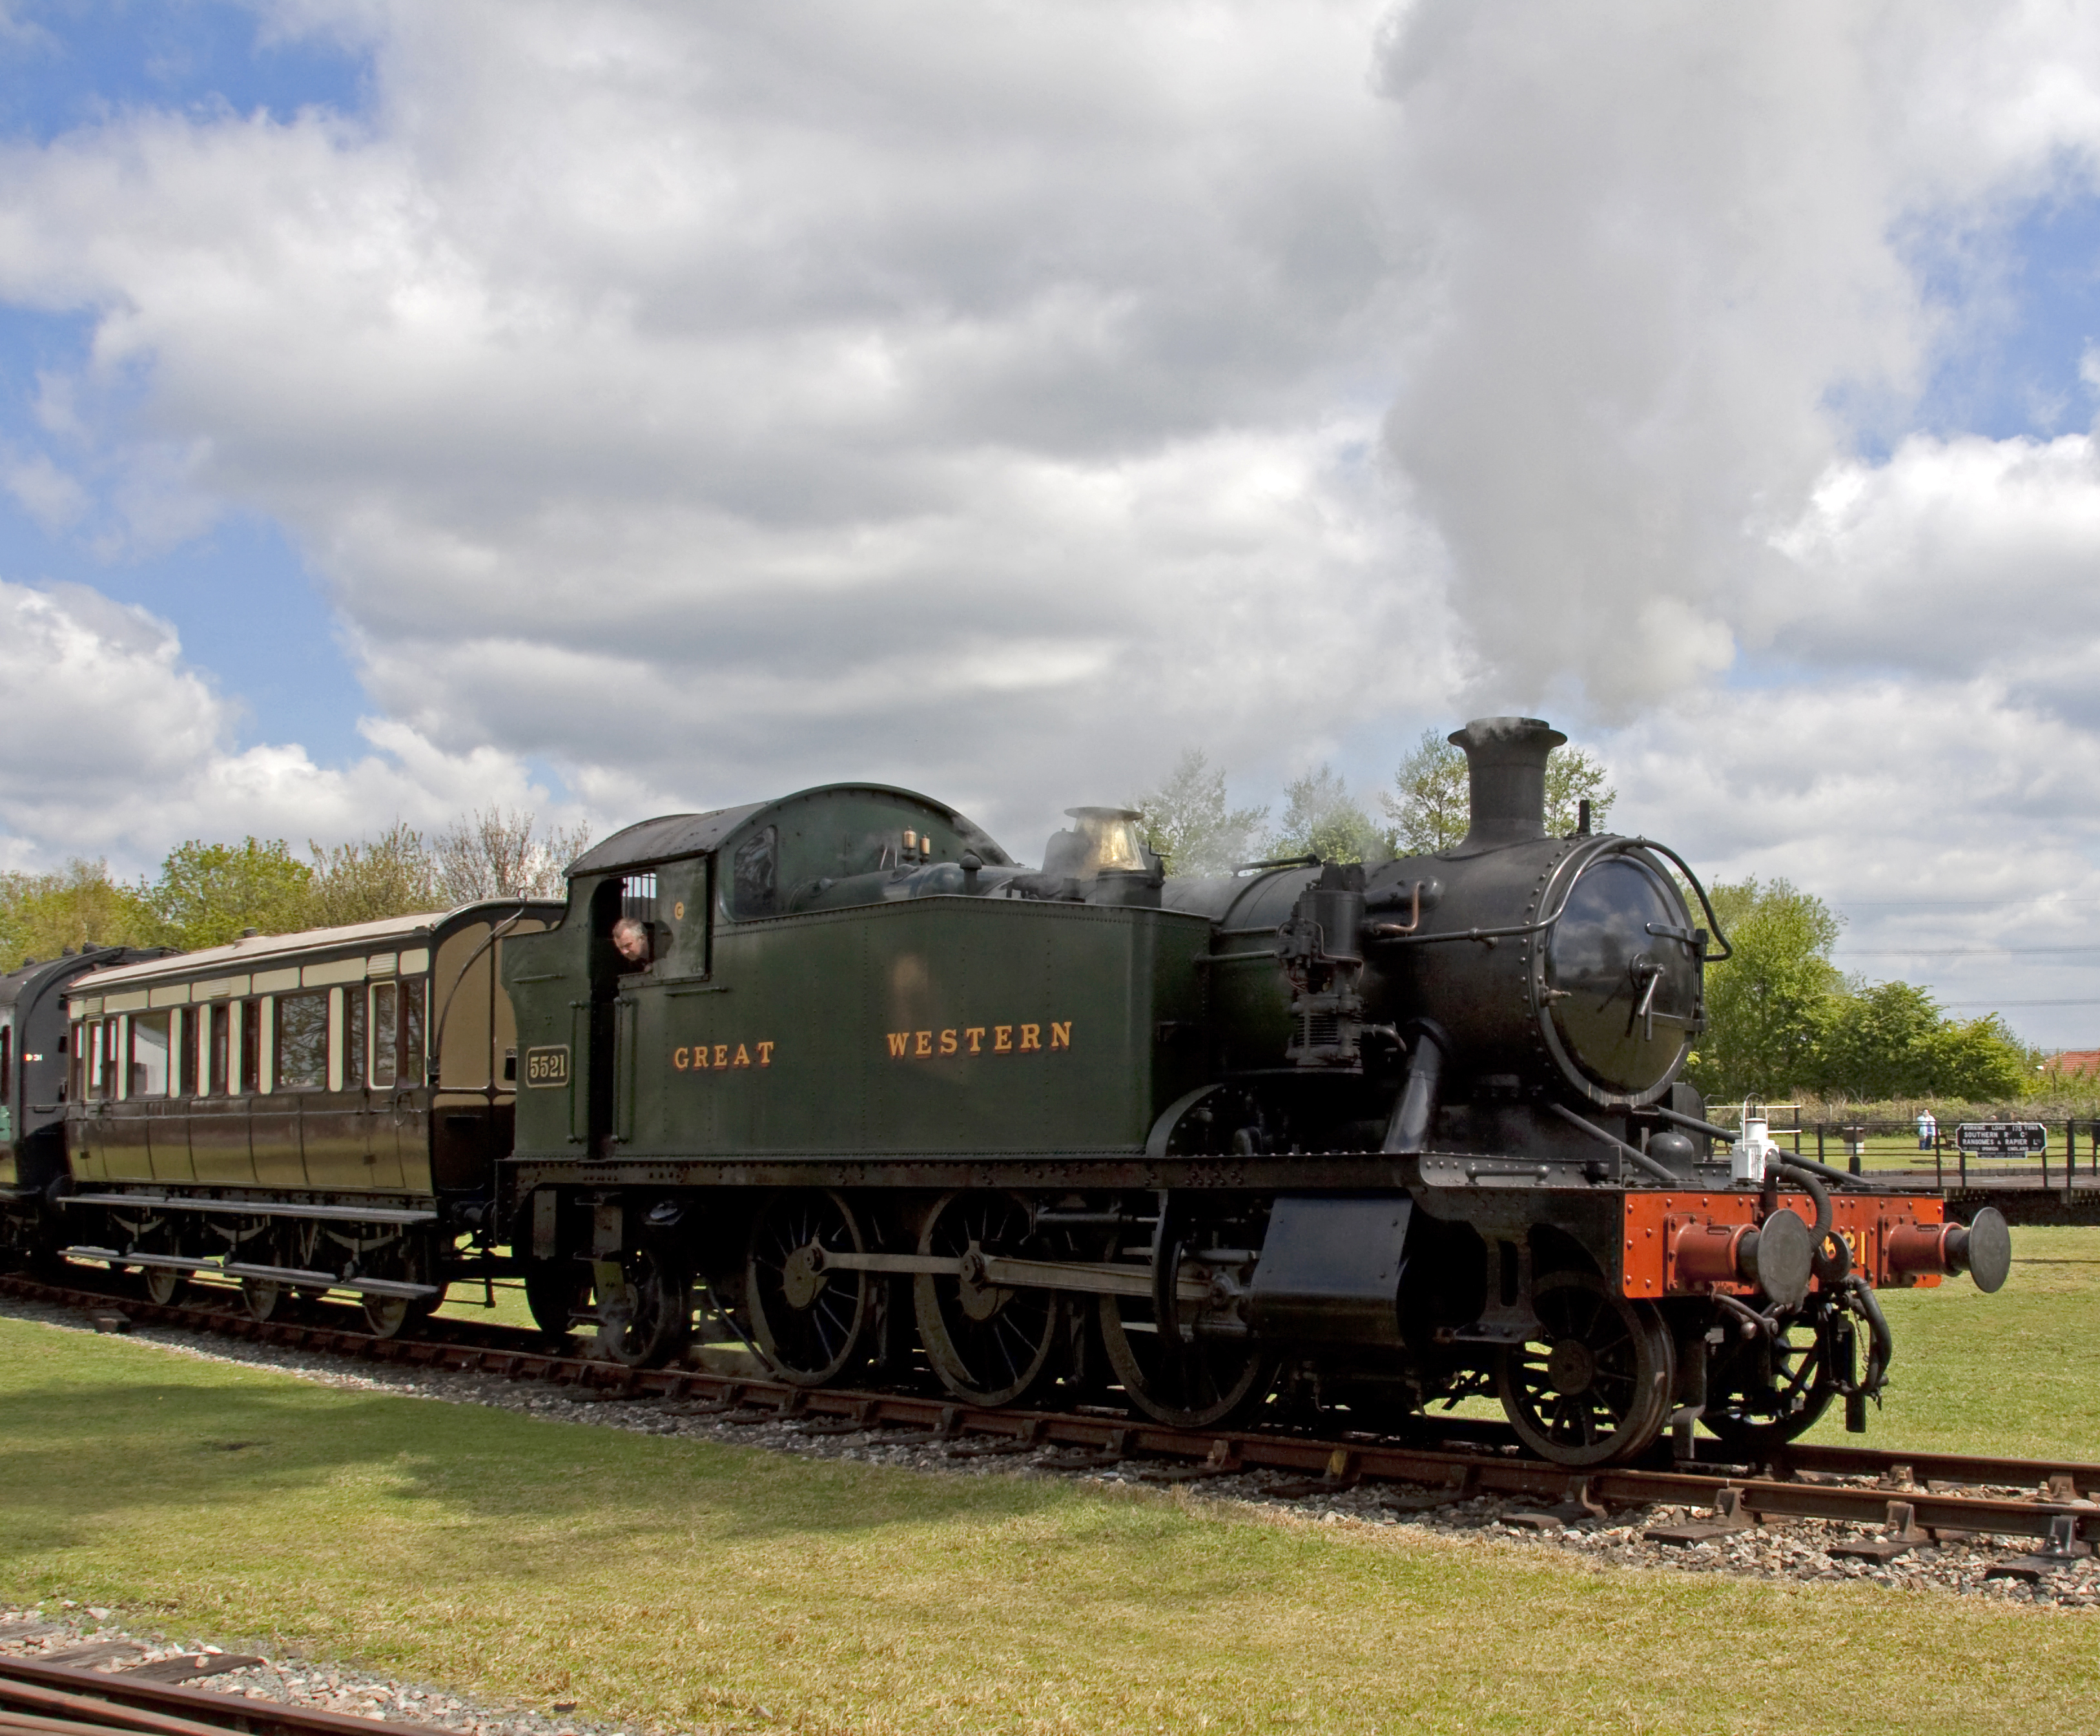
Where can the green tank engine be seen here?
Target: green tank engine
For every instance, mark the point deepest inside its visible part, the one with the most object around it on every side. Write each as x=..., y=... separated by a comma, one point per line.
x=838, y=1077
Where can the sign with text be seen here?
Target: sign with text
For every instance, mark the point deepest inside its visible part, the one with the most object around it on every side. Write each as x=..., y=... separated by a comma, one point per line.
x=2001, y=1138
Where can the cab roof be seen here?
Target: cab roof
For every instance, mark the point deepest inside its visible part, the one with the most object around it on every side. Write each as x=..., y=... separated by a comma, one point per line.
x=676, y=835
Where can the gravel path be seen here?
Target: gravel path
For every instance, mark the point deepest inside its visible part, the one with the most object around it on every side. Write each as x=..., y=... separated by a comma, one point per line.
x=1788, y=1550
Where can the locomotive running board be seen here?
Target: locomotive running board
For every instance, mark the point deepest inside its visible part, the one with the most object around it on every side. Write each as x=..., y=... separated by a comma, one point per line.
x=1084, y=1276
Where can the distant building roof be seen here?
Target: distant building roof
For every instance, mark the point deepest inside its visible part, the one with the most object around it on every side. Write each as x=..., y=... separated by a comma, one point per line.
x=2077, y=1061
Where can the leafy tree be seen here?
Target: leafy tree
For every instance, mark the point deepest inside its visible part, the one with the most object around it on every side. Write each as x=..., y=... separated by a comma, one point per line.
x=1574, y=775
x=207, y=893
x=1321, y=819
x=1978, y=1060
x=1431, y=806
x=1768, y=1007
x=79, y=906
x=1881, y=1041
x=1188, y=821
x=496, y=855
x=392, y=875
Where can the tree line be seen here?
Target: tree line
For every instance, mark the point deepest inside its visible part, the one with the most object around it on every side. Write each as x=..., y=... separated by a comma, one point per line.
x=205, y=895
x=1782, y=1021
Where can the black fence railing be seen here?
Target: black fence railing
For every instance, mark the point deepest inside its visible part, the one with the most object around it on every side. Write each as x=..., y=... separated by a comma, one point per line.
x=2060, y=1153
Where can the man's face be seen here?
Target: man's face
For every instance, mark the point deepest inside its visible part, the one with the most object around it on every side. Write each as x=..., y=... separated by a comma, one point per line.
x=631, y=942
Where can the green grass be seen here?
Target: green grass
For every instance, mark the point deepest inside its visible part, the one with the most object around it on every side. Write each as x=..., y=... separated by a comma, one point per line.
x=2017, y=1373
x=687, y=1585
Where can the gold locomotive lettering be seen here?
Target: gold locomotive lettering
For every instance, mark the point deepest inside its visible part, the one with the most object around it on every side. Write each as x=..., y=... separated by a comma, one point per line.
x=964, y=1039
x=701, y=1057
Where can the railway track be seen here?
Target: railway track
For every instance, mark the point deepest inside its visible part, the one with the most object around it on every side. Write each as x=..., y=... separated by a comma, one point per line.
x=43, y=1698
x=1915, y=1497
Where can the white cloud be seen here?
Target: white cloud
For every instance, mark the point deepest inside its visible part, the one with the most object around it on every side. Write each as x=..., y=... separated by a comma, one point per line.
x=117, y=748
x=703, y=402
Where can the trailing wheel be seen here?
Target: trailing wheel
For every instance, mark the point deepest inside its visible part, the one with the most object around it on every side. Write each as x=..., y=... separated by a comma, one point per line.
x=1595, y=1386
x=810, y=1320
x=990, y=1344
x=644, y=1317
x=163, y=1284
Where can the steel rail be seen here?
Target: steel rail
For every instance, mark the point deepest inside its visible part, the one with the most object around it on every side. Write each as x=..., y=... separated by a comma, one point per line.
x=1777, y=1490
x=54, y=1695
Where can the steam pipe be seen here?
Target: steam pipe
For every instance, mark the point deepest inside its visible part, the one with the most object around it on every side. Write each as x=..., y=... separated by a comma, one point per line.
x=1633, y=1154
x=1408, y=1131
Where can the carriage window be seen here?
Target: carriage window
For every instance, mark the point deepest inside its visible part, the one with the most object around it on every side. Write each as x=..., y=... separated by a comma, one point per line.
x=7, y=1057
x=181, y=1054
x=755, y=873
x=148, y=1076
x=301, y=1046
x=101, y=1058
x=386, y=1028
x=220, y=1016
x=251, y=1046
x=356, y=1054
x=412, y=991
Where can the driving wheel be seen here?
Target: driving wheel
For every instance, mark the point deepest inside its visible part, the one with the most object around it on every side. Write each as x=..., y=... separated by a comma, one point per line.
x=1594, y=1387
x=811, y=1319
x=1165, y=1368
x=990, y=1344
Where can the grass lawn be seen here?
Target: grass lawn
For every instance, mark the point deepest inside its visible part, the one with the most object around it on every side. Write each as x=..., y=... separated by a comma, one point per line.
x=689, y=1584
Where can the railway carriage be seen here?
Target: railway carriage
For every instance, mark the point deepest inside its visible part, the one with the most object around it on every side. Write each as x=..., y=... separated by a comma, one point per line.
x=302, y=1112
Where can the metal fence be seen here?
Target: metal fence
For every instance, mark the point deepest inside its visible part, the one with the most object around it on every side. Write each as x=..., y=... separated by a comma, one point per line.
x=2066, y=1153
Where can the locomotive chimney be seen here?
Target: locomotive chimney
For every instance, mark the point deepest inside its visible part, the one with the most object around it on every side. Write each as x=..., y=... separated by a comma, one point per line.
x=1506, y=770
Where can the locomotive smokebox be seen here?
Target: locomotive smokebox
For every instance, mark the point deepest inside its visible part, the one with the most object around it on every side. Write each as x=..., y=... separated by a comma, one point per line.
x=1506, y=773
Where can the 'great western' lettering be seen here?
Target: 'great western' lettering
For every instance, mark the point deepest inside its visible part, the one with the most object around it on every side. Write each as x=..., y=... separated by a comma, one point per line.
x=707, y=1057
x=980, y=1040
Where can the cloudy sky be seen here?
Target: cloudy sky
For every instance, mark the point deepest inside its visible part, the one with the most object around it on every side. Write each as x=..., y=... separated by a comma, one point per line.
x=618, y=409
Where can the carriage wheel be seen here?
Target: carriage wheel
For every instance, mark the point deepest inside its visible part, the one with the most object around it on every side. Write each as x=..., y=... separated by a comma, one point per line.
x=810, y=1322
x=1595, y=1386
x=163, y=1284
x=263, y=1295
x=389, y=1316
x=558, y=1293
x=989, y=1345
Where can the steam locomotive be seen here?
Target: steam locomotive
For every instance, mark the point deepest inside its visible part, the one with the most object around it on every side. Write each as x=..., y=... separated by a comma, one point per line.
x=834, y=1075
